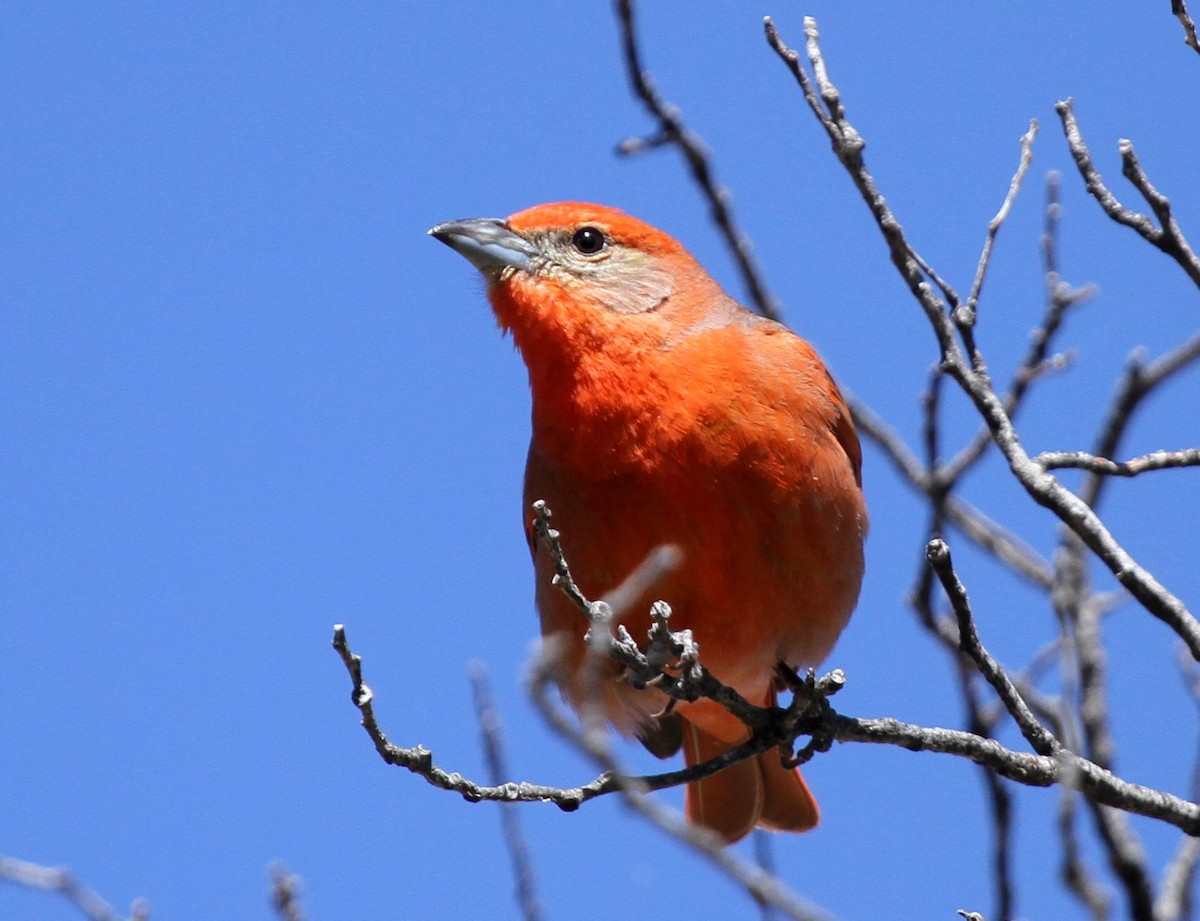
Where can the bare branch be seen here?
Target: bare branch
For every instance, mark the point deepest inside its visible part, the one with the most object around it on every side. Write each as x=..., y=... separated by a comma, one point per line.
x=1175, y=898
x=419, y=760
x=1082, y=614
x=510, y=821
x=1155, y=460
x=1037, y=362
x=988, y=534
x=1034, y=770
x=673, y=130
x=848, y=147
x=970, y=374
x=1082, y=617
x=1167, y=237
x=1139, y=381
x=764, y=858
x=1076, y=875
x=996, y=222
x=1042, y=740
x=57, y=879
x=760, y=885
x=808, y=714
x=999, y=798
x=693, y=681
x=285, y=893
x=1179, y=8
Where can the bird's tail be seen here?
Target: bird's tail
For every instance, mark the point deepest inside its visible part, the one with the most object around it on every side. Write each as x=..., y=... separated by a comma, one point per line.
x=758, y=791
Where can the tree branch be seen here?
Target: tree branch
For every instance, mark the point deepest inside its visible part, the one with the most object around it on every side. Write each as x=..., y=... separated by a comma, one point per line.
x=1179, y=8
x=986, y=533
x=510, y=822
x=808, y=714
x=1167, y=237
x=672, y=130
x=1074, y=872
x=970, y=374
x=1155, y=460
x=285, y=893
x=1139, y=381
x=57, y=879
x=996, y=222
x=763, y=887
x=1042, y=740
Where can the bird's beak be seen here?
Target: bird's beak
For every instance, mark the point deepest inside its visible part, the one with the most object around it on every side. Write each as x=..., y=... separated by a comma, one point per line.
x=486, y=242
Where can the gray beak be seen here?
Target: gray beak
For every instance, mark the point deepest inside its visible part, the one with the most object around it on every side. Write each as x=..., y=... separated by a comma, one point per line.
x=486, y=242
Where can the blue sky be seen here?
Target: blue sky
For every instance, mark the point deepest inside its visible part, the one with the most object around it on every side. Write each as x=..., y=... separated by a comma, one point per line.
x=244, y=397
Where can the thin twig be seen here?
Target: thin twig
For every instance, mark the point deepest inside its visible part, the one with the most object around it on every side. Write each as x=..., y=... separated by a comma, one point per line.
x=62, y=881
x=1168, y=236
x=285, y=893
x=1175, y=897
x=971, y=374
x=762, y=886
x=989, y=535
x=1123, y=847
x=1155, y=460
x=999, y=798
x=1076, y=874
x=673, y=130
x=994, y=225
x=1179, y=8
x=1100, y=785
x=1060, y=298
x=764, y=857
x=510, y=820
x=1042, y=740
x=1138, y=382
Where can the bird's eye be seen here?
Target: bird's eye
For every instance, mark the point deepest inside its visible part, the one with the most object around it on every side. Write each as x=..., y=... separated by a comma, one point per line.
x=589, y=240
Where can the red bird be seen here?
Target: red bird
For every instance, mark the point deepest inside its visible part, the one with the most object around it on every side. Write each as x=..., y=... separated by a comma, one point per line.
x=664, y=412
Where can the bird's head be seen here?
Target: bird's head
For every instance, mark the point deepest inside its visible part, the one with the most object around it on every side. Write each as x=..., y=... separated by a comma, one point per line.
x=586, y=271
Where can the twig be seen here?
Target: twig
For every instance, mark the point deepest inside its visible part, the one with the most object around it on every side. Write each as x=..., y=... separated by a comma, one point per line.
x=693, y=681
x=672, y=130
x=764, y=857
x=999, y=799
x=1037, y=361
x=1167, y=237
x=1080, y=619
x=1081, y=616
x=1122, y=845
x=285, y=893
x=1034, y=770
x=1139, y=381
x=971, y=374
x=57, y=879
x=1175, y=898
x=990, y=536
x=1155, y=460
x=510, y=821
x=760, y=885
x=1179, y=8
x=1042, y=740
x=419, y=760
x=1189, y=671
x=996, y=222
x=1075, y=873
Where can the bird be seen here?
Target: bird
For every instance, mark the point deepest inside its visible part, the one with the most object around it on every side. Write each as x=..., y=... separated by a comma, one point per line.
x=666, y=413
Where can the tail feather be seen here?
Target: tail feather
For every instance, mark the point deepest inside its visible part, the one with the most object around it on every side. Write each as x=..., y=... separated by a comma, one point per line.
x=756, y=791
x=788, y=804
